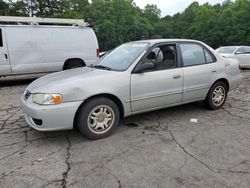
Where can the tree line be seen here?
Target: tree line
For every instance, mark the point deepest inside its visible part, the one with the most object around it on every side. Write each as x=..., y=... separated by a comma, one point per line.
x=119, y=21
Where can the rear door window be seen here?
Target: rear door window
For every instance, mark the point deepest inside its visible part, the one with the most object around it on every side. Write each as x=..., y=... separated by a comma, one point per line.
x=1, y=38
x=192, y=54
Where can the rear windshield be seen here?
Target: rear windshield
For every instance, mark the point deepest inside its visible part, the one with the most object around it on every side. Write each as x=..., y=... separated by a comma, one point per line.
x=226, y=50
x=1, y=38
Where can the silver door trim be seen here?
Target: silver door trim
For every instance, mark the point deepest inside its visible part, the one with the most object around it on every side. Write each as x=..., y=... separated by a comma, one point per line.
x=196, y=88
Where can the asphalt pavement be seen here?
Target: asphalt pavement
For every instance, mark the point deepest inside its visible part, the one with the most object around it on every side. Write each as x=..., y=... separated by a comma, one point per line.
x=157, y=149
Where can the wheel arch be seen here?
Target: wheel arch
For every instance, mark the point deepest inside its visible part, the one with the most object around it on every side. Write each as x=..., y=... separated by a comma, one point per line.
x=224, y=80
x=112, y=97
x=73, y=59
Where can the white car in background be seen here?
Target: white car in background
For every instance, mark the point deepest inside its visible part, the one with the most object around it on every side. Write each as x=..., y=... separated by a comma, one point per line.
x=241, y=53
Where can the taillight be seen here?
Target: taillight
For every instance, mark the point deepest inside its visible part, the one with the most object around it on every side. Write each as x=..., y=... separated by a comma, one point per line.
x=97, y=52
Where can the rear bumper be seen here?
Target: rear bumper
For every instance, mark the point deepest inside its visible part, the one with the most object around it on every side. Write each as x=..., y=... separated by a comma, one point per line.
x=53, y=117
x=235, y=81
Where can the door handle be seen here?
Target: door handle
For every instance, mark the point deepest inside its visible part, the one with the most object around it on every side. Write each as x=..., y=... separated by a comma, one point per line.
x=6, y=56
x=176, y=76
x=213, y=71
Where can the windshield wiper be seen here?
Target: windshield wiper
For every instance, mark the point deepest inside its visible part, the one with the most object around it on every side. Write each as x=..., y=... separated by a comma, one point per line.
x=102, y=67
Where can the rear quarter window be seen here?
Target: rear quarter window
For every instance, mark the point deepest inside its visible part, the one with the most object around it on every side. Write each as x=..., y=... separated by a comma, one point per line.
x=209, y=58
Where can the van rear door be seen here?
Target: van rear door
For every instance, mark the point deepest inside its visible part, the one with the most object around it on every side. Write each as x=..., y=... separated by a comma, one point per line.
x=4, y=57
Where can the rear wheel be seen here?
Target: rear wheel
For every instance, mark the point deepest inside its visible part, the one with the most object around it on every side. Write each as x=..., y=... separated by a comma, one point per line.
x=72, y=64
x=216, y=96
x=98, y=118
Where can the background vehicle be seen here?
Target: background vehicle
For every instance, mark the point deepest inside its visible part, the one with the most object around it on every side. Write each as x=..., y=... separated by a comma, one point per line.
x=241, y=53
x=45, y=45
x=135, y=77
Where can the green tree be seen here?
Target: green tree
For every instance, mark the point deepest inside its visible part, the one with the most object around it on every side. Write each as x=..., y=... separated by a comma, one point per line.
x=4, y=8
x=119, y=21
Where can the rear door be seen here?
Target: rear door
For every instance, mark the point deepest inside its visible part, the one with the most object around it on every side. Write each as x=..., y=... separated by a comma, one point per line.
x=199, y=70
x=4, y=59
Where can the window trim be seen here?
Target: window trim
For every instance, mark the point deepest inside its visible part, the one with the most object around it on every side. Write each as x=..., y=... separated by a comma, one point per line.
x=1, y=39
x=178, y=60
x=203, y=47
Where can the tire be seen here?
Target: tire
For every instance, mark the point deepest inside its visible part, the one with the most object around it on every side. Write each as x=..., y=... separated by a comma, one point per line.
x=72, y=64
x=216, y=96
x=98, y=118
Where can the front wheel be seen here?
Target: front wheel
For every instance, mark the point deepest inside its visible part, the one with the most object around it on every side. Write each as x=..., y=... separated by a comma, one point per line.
x=216, y=96
x=98, y=118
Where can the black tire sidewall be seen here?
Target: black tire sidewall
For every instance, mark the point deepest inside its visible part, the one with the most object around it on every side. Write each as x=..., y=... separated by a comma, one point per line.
x=83, y=114
x=73, y=64
x=209, y=102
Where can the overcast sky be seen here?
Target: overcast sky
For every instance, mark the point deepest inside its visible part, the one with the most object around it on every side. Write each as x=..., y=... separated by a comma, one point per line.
x=171, y=7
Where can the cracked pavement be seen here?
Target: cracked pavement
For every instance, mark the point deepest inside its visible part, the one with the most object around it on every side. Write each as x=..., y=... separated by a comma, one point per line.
x=156, y=149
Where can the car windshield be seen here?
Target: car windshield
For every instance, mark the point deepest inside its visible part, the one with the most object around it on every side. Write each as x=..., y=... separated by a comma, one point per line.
x=226, y=50
x=122, y=57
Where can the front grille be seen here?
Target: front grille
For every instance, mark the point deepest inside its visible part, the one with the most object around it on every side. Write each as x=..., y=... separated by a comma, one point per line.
x=27, y=94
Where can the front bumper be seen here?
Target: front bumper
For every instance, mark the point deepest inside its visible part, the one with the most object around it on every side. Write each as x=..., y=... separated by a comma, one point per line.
x=53, y=117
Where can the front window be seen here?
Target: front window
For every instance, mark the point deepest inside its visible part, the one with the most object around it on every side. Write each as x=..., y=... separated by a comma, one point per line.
x=123, y=56
x=163, y=57
x=226, y=50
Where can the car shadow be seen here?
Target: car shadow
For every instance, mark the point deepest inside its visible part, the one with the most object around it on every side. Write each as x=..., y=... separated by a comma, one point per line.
x=134, y=121
x=5, y=83
x=18, y=80
x=170, y=111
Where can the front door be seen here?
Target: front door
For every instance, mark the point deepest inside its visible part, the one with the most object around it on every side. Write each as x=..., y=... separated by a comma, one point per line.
x=4, y=59
x=159, y=86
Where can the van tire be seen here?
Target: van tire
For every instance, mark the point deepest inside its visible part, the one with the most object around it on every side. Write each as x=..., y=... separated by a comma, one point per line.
x=72, y=64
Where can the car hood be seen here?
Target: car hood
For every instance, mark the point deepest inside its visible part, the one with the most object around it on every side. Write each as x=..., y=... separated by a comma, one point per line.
x=69, y=82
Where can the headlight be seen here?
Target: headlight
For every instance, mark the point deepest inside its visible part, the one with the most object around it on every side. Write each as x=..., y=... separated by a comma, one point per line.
x=46, y=99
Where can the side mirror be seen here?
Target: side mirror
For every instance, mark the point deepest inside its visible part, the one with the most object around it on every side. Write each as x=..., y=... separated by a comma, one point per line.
x=146, y=67
x=151, y=56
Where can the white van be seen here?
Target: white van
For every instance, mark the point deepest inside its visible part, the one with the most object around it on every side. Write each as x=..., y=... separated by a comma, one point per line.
x=40, y=45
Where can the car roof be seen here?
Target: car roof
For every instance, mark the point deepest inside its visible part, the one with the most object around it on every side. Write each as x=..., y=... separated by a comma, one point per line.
x=233, y=46
x=155, y=41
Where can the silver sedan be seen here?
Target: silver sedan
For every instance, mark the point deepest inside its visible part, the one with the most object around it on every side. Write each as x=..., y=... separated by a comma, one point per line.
x=241, y=53
x=135, y=77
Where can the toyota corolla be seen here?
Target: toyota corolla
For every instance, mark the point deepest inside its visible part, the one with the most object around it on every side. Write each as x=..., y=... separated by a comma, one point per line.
x=135, y=77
